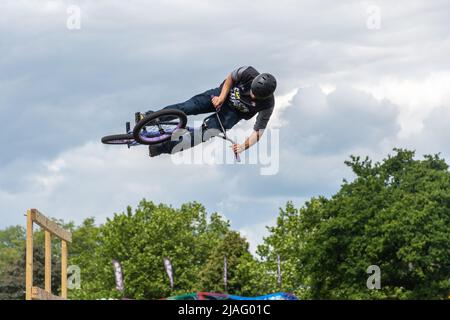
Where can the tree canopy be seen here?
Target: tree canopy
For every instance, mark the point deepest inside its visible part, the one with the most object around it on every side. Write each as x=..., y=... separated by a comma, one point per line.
x=395, y=214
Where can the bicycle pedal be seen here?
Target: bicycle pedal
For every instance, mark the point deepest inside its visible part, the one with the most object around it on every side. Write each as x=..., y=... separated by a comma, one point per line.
x=138, y=117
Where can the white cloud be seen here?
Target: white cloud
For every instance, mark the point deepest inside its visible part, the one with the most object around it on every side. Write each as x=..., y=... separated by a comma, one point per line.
x=416, y=97
x=96, y=180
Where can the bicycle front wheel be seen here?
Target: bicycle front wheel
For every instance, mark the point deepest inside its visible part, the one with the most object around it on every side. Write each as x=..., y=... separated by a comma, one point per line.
x=159, y=126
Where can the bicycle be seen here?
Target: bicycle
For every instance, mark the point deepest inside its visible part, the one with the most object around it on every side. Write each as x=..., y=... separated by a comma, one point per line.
x=158, y=127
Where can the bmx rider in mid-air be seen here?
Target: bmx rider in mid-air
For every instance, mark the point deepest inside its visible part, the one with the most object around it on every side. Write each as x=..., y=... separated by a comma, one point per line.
x=244, y=94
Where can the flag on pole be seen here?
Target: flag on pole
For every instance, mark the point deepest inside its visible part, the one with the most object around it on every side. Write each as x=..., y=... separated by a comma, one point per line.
x=279, y=270
x=169, y=270
x=119, y=275
x=225, y=273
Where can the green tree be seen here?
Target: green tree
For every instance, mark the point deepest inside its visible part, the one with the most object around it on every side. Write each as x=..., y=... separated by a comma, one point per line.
x=255, y=277
x=395, y=214
x=11, y=246
x=12, y=281
x=283, y=243
x=85, y=242
x=12, y=261
x=139, y=241
x=236, y=250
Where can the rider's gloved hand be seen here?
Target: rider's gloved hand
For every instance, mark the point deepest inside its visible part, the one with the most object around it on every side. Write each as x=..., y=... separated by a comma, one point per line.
x=217, y=102
x=238, y=148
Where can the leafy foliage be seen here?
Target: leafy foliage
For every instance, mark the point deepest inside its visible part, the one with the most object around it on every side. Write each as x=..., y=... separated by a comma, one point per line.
x=395, y=214
x=141, y=239
x=12, y=277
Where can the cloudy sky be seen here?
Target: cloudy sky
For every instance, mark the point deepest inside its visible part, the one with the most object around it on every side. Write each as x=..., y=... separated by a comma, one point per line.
x=355, y=77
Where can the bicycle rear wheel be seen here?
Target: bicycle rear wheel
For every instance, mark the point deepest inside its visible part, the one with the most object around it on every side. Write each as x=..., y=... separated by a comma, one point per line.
x=118, y=139
x=159, y=126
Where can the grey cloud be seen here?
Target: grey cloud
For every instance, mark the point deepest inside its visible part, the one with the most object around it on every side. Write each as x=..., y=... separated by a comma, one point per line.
x=52, y=79
x=60, y=89
x=319, y=133
x=342, y=120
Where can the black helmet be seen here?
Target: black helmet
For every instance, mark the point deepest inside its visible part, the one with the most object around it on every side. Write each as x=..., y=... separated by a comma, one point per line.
x=264, y=85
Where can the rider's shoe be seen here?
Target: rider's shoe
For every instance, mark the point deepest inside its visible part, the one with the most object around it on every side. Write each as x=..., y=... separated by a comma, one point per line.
x=154, y=150
x=160, y=148
x=157, y=149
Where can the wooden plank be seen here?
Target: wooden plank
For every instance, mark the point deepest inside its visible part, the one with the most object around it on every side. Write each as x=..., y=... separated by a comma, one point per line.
x=48, y=261
x=64, y=269
x=50, y=226
x=29, y=257
x=40, y=294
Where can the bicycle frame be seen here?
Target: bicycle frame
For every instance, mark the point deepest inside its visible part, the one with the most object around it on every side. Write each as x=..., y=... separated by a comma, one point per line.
x=191, y=130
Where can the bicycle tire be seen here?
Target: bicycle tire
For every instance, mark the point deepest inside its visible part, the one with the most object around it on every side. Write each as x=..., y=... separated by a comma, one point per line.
x=154, y=117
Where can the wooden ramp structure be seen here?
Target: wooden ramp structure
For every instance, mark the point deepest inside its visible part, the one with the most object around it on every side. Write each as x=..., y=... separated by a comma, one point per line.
x=51, y=228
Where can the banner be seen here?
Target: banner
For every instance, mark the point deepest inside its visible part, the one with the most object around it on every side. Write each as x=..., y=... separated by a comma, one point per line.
x=118, y=274
x=279, y=270
x=225, y=273
x=169, y=270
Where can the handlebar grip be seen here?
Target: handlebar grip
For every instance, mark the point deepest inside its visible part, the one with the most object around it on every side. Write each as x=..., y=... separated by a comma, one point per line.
x=238, y=158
